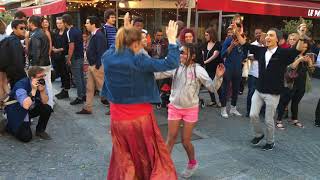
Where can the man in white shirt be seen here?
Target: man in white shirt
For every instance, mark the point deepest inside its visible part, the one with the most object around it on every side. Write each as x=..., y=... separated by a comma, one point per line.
x=273, y=62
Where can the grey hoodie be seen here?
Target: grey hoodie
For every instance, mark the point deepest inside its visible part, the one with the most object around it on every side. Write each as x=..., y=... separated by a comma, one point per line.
x=186, y=84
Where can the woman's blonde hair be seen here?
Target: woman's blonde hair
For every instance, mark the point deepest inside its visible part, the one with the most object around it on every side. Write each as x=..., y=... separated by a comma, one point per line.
x=126, y=37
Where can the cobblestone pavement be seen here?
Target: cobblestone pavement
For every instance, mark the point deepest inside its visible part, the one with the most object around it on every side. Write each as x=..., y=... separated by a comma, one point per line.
x=81, y=147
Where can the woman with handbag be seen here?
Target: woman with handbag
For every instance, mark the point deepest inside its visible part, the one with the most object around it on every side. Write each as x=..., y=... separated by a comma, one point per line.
x=297, y=82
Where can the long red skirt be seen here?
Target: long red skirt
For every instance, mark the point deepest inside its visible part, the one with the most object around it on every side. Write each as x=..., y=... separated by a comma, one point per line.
x=139, y=152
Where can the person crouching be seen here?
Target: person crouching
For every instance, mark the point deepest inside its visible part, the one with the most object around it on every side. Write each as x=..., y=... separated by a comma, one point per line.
x=32, y=101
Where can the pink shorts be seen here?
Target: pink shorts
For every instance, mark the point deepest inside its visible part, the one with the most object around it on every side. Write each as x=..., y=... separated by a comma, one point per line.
x=186, y=114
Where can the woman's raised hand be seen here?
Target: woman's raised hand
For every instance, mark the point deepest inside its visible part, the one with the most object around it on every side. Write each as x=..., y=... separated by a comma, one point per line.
x=127, y=23
x=172, y=31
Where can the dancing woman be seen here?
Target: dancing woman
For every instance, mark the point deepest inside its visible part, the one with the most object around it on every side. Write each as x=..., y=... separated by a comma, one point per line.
x=139, y=151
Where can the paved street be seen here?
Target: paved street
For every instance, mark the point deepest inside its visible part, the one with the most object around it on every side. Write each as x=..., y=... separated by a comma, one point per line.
x=81, y=147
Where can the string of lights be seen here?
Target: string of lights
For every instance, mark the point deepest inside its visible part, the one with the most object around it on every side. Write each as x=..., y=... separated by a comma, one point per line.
x=76, y=5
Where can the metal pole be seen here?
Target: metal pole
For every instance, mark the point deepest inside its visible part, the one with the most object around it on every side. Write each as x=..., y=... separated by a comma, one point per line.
x=220, y=25
x=117, y=14
x=189, y=13
x=196, y=24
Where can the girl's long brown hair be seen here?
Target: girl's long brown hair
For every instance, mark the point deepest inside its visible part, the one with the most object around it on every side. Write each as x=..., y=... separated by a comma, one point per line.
x=125, y=38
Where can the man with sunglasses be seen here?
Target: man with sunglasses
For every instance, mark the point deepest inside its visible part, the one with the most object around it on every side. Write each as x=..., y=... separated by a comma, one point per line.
x=13, y=56
x=32, y=101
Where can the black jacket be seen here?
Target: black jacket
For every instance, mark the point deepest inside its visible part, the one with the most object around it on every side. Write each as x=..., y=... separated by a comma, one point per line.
x=97, y=46
x=14, y=68
x=60, y=41
x=39, y=48
x=271, y=78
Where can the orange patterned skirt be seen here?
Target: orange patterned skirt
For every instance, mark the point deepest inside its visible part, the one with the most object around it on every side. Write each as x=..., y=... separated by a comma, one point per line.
x=139, y=152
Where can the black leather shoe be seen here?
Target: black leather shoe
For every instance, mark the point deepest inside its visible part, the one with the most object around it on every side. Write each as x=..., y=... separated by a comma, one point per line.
x=62, y=95
x=76, y=101
x=257, y=140
x=317, y=124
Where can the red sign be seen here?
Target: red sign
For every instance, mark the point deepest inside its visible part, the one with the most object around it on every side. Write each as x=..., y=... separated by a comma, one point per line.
x=55, y=7
x=264, y=7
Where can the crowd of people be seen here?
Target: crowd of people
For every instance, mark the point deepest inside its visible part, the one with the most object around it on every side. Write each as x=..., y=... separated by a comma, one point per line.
x=128, y=68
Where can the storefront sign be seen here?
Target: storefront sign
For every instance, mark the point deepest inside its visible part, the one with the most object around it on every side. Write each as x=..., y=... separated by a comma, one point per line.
x=55, y=7
x=314, y=13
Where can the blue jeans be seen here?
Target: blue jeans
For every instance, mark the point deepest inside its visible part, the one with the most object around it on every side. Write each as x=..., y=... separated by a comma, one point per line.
x=232, y=76
x=252, y=83
x=77, y=71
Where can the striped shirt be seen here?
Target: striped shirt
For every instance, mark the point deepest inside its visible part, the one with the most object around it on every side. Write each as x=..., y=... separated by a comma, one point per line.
x=111, y=32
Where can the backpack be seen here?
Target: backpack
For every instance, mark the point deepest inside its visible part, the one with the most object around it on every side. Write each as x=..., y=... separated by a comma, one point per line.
x=4, y=54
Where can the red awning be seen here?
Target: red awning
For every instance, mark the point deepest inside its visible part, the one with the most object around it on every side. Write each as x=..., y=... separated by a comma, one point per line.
x=55, y=7
x=2, y=9
x=264, y=7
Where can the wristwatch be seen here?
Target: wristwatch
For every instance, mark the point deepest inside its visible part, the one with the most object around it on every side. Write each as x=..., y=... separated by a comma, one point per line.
x=32, y=97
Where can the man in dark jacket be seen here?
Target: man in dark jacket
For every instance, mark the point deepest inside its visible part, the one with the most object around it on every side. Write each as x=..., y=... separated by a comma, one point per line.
x=273, y=62
x=14, y=65
x=97, y=46
x=39, y=52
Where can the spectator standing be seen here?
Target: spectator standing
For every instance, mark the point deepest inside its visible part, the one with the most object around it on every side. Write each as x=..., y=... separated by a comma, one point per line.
x=30, y=92
x=138, y=23
x=110, y=32
x=75, y=58
x=59, y=52
x=97, y=46
x=46, y=29
x=39, y=52
x=13, y=58
x=234, y=54
x=295, y=88
x=19, y=15
x=211, y=53
x=159, y=46
x=109, y=28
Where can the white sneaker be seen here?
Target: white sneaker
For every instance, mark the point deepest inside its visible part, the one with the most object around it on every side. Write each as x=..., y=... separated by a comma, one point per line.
x=234, y=111
x=189, y=171
x=224, y=113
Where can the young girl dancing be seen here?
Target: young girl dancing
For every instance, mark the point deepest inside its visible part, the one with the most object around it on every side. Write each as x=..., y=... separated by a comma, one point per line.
x=184, y=100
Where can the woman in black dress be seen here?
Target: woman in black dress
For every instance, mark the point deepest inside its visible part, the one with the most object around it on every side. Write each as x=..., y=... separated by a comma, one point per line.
x=211, y=56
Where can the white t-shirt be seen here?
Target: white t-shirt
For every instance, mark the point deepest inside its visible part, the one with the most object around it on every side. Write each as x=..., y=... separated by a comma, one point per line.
x=254, y=68
x=9, y=29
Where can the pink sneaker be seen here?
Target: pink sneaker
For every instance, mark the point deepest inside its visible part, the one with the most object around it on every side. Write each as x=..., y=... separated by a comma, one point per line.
x=190, y=169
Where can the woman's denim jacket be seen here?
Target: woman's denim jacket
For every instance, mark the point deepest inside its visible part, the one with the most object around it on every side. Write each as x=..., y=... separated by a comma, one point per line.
x=129, y=78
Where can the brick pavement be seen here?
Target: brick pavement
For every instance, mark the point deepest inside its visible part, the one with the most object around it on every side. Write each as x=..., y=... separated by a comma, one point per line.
x=81, y=147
